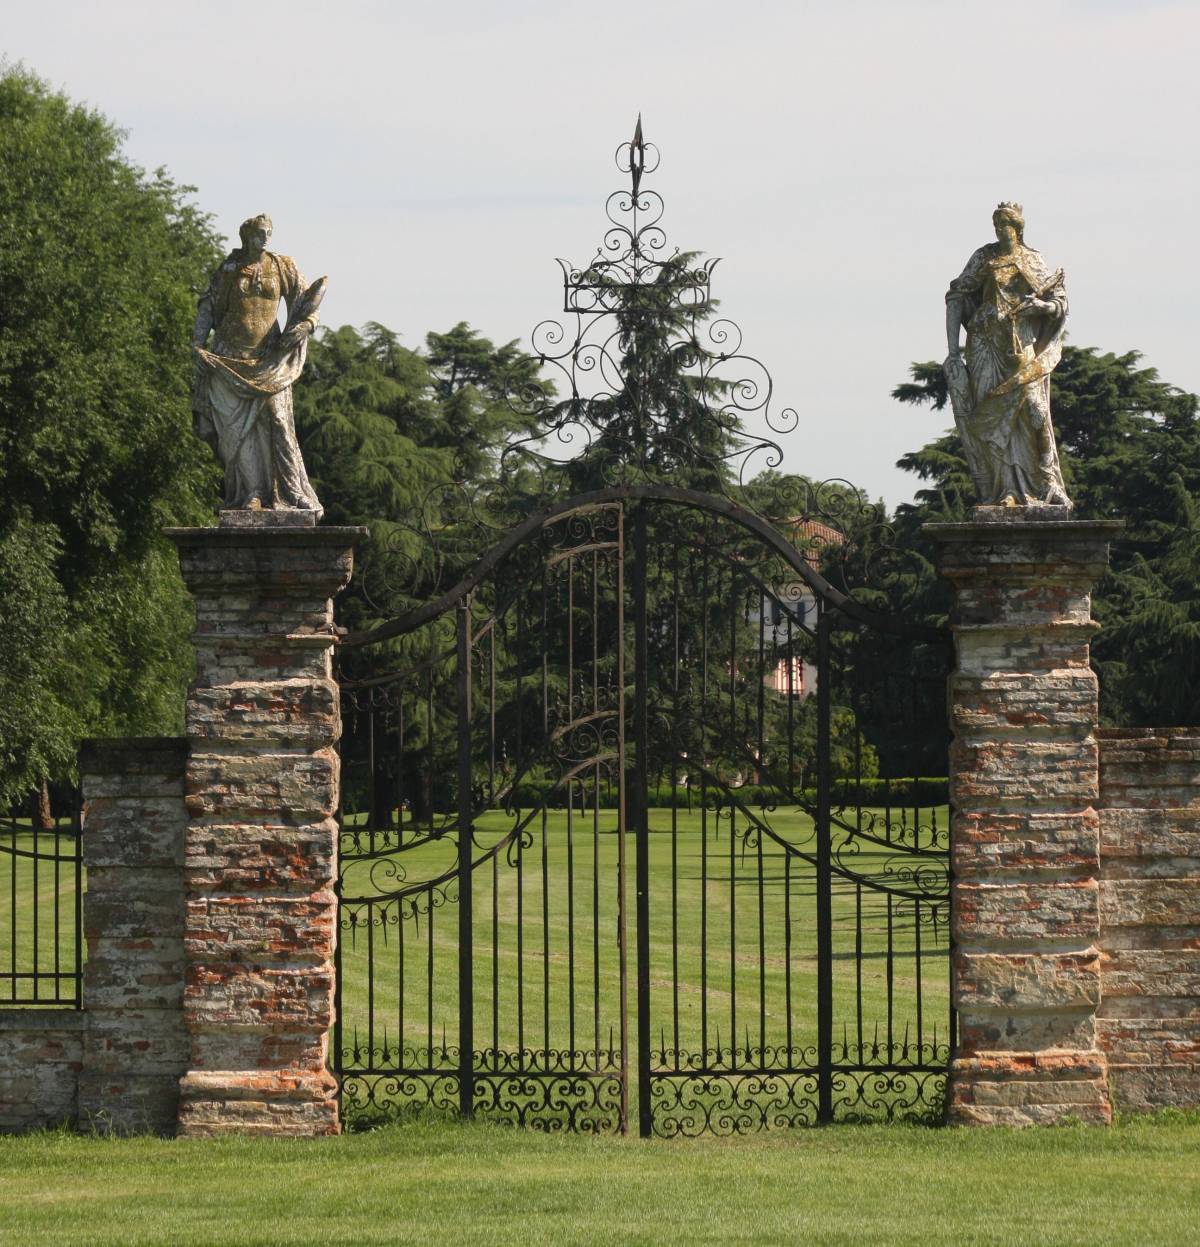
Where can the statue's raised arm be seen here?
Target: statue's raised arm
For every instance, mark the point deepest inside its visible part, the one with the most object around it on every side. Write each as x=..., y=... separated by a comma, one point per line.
x=242, y=402
x=1014, y=311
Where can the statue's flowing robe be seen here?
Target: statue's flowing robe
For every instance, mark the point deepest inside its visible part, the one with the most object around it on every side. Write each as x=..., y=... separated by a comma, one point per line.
x=242, y=400
x=1002, y=401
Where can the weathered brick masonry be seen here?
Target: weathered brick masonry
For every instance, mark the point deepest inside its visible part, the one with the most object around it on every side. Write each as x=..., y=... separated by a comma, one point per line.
x=114, y=1066
x=135, y=1046
x=1149, y=1018
x=41, y=1053
x=260, y=858
x=1026, y=828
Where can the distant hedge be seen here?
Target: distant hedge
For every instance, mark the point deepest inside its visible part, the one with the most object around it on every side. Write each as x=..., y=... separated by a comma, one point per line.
x=872, y=792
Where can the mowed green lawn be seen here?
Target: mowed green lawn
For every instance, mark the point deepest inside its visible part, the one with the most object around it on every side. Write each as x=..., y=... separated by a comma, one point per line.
x=733, y=950
x=1137, y=1183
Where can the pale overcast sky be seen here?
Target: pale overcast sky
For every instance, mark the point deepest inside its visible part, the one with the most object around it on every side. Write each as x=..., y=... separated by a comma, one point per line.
x=842, y=158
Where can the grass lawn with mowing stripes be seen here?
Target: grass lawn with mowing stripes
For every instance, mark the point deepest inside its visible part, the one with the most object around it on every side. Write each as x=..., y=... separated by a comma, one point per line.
x=472, y=1184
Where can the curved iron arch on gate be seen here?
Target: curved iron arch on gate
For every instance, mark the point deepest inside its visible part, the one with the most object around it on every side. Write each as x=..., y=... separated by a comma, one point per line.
x=613, y=851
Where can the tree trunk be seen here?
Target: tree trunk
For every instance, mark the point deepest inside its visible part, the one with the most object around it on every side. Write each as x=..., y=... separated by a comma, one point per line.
x=45, y=814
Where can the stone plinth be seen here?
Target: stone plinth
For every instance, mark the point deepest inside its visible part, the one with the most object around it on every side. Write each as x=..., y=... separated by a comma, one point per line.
x=1025, y=830
x=260, y=855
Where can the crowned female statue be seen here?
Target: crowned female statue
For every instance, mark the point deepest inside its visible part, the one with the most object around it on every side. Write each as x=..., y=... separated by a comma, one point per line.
x=1014, y=310
x=242, y=400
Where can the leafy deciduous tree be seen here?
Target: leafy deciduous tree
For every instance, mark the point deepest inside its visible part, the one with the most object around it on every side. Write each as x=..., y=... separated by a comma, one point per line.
x=100, y=264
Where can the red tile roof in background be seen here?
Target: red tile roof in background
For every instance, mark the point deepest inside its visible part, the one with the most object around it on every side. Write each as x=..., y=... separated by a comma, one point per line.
x=812, y=537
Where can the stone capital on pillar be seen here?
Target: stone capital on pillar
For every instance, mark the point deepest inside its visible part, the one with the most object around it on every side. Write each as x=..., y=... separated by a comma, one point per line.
x=260, y=853
x=1024, y=786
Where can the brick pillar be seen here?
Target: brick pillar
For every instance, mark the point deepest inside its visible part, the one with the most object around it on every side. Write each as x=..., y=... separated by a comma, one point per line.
x=260, y=855
x=1024, y=784
x=135, y=1045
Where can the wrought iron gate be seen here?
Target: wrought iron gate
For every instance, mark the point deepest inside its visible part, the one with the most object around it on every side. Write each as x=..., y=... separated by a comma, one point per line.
x=613, y=852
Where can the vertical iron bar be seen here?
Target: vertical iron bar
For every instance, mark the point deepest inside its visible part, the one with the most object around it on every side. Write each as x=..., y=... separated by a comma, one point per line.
x=340, y=817
x=429, y=758
x=787, y=950
x=642, y=825
x=429, y=985
x=12, y=909
x=791, y=705
x=79, y=900
x=762, y=957
x=495, y=958
x=858, y=964
x=399, y=984
x=596, y=814
x=675, y=709
x=917, y=960
x=520, y=842
x=622, y=825
x=399, y=789
x=371, y=986
x=891, y=971
x=732, y=935
x=571, y=921
x=760, y=752
x=703, y=808
x=466, y=1017
x=824, y=877
x=545, y=648
x=569, y=568
x=37, y=849
x=596, y=912
x=491, y=793
x=518, y=763
x=57, y=906
x=372, y=777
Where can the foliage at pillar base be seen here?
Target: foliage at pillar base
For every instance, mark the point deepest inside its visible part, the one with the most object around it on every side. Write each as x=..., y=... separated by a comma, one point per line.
x=1130, y=449
x=100, y=266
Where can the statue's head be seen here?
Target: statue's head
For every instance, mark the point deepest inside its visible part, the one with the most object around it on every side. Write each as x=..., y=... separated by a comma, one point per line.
x=1009, y=215
x=255, y=232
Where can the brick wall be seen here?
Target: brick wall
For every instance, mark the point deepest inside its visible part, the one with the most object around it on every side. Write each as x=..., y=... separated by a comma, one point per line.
x=135, y=1046
x=41, y=1051
x=1149, y=1016
x=115, y=1065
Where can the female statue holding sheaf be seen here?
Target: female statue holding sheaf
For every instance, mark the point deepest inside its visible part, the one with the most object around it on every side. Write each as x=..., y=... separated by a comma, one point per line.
x=242, y=400
x=1014, y=310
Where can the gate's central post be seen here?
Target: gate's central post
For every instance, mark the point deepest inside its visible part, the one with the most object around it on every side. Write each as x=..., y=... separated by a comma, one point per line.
x=1024, y=783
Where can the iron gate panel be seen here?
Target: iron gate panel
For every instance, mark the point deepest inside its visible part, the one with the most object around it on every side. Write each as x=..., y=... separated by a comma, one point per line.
x=521, y=1002
x=789, y=943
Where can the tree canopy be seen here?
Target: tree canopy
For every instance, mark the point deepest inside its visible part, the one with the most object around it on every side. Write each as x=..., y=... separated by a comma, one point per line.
x=100, y=264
